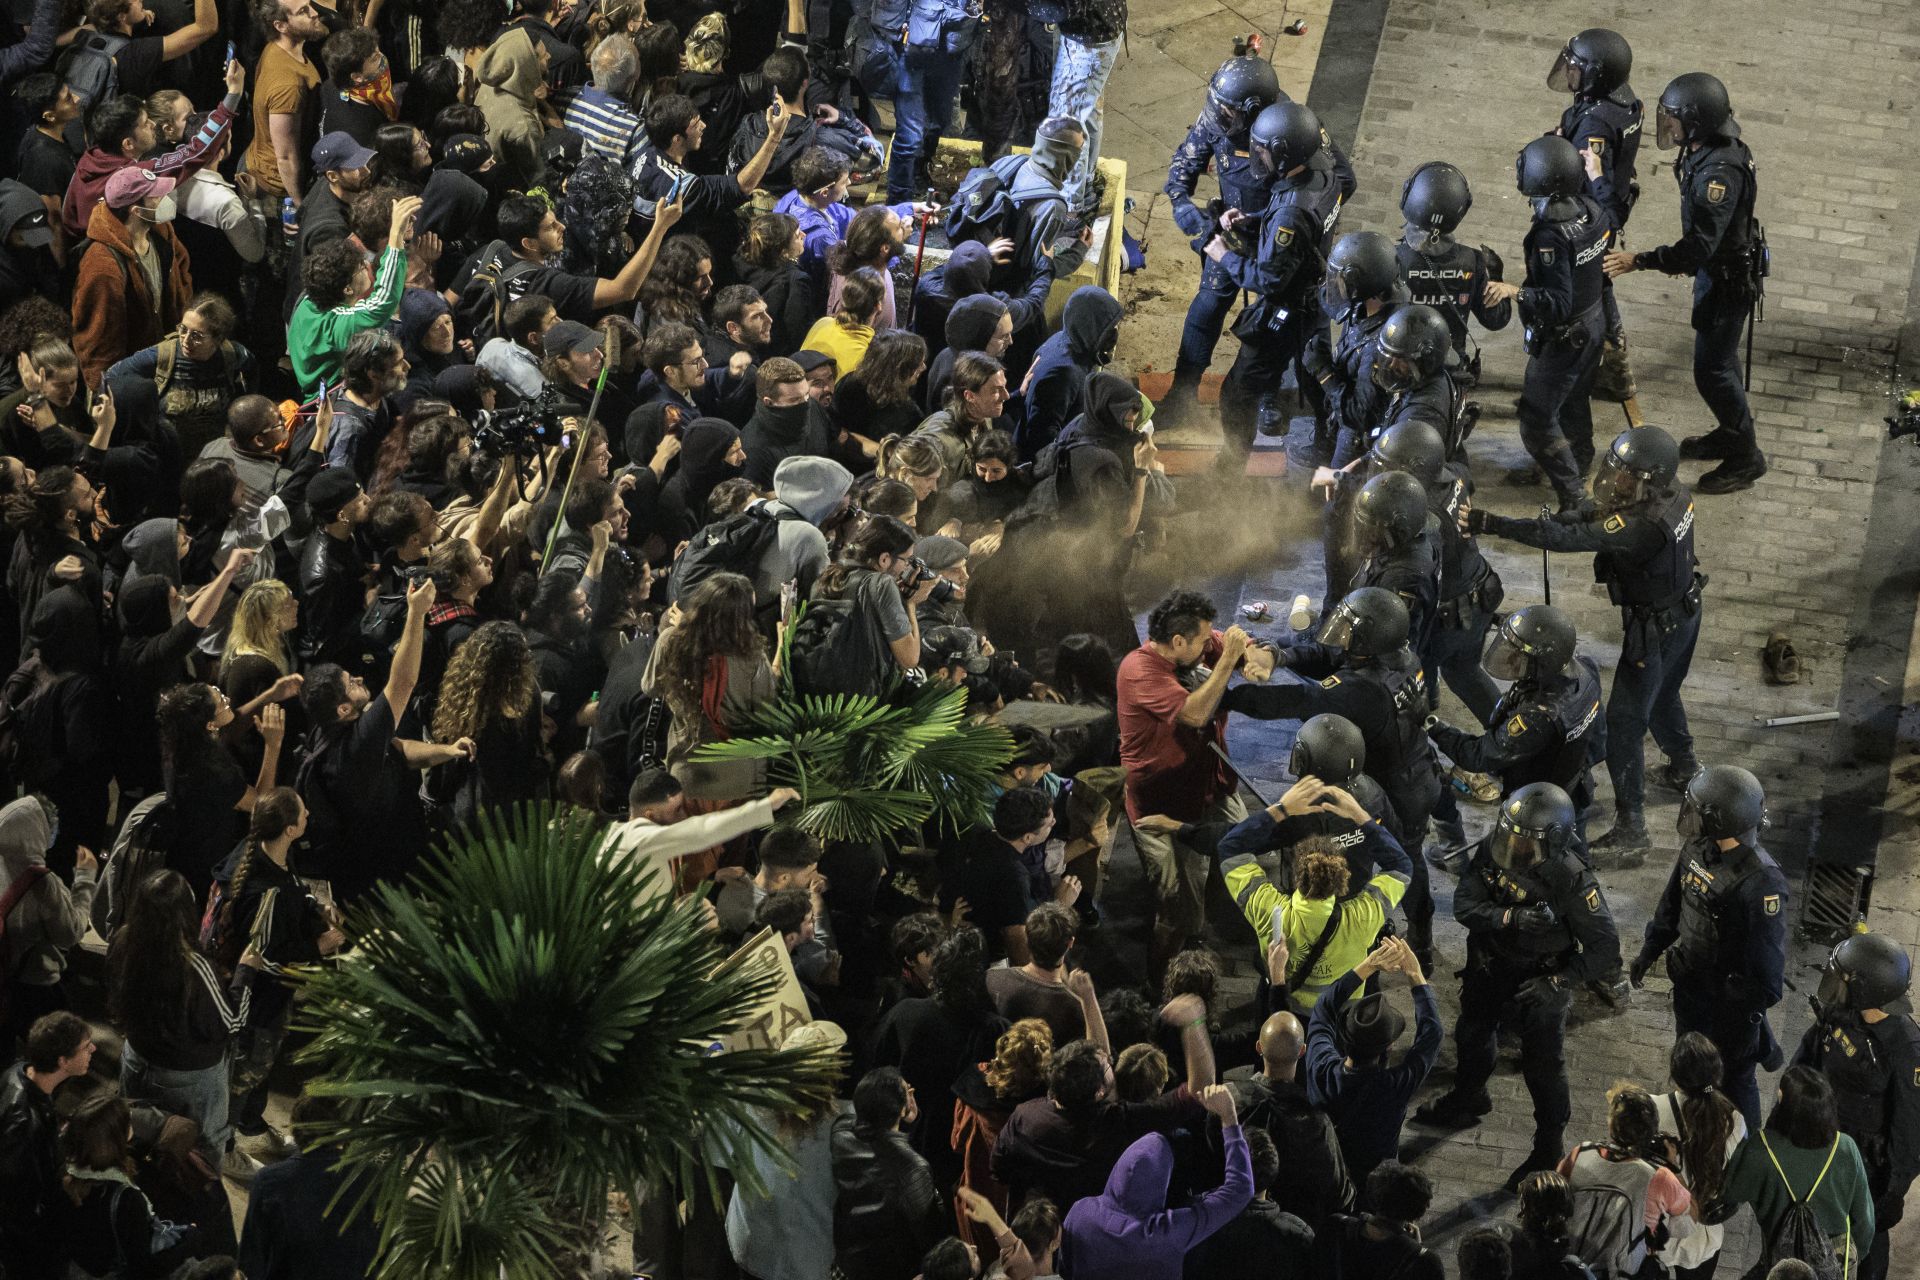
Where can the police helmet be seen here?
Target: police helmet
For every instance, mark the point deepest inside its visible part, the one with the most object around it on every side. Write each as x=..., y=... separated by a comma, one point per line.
x=1536, y=822
x=1435, y=198
x=1411, y=347
x=1284, y=136
x=1391, y=509
x=1368, y=622
x=1549, y=167
x=1361, y=266
x=1330, y=748
x=1693, y=108
x=1866, y=971
x=1722, y=802
x=1413, y=447
x=1241, y=89
x=1532, y=643
x=1593, y=65
x=1641, y=461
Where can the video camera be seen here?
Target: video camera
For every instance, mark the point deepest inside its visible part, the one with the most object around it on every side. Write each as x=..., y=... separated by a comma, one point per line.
x=1908, y=422
x=526, y=430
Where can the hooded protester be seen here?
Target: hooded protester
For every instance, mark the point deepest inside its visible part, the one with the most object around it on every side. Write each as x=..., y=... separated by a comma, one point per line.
x=724, y=100
x=1040, y=208
x=153, y=550
x=468, y=388
x=426, y=335
x=710, y=453
x=150, y=658
x=511, y=69
x=1129, y=1231
x=1089, y=331
x=965, y=275
x=979, y=322
x=46, y=922
x=815, y=489
x=77, y=763
x=451, y=207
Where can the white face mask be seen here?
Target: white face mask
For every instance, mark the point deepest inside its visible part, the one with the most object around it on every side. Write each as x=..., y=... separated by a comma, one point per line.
x=164, y=211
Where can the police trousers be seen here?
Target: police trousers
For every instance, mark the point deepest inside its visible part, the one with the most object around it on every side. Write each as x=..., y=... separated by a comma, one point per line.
x=1698, y=1006
x=1458, y=639
x=1716, y=374
x=1556, y=423
x=1206, y=316
x=1646, y=696
x=1250, y=397
x=1486, y=998
x=1413, y=797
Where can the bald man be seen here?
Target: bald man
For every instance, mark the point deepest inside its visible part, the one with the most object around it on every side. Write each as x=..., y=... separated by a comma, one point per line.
x=1313, y=1180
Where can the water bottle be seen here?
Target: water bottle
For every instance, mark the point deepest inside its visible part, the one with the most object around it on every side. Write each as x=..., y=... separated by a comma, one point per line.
x=289, y=218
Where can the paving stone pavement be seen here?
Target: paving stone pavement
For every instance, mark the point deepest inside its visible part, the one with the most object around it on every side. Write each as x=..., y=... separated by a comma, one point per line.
x=1826, y=99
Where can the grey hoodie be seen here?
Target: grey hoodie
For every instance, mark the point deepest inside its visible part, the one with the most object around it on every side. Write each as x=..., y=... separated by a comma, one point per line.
x=813, y=489
x=154, y=547
x=49, y=921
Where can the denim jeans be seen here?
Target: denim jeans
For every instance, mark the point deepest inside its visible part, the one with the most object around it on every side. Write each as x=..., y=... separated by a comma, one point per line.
x=200, y=1096
x=926, y=89
x=1080, y=74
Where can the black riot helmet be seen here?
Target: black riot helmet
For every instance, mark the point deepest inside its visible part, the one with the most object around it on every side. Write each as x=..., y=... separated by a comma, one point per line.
x=1241, y=89
x=1391, y=510
x=1412, y=447
x=1593, y=65
x=1368, y=622
x=1722, y=802
x=1330, y=748
x=1534, y=643
x=1640, y=462
x=1435, y=198
x=1284, y=136
x=1361, y=266
x=1411, y=347
x=1536, y=822
x=1549, y=167
x=1693, y=108
x=1866, y=971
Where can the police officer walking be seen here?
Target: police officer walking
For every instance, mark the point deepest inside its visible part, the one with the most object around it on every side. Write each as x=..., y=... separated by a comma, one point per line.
x=1560, y=306
x=1537, y=927
x=1866, y=1042
x=1442, y=273
x=1546, y=727
x=1722, y=925
x=1604, y=119
x=1283, y=268
x=1641, y=534
x=1240, y=90
x=1361, y=290
x=1721, y=248
x=1367, y=673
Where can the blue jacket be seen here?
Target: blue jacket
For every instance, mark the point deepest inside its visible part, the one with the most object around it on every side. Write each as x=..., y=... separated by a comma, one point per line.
x=1368, y=1105
x=1057, y=383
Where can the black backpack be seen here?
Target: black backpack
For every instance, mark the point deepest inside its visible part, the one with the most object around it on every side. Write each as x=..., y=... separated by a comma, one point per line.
x=141, y=847
x=29, y=731
x=836, y=648
x=1797, y=1233
x=378, y=635
x=736, y=544
x=983, y=205
x=89, y=69
x=486, y=295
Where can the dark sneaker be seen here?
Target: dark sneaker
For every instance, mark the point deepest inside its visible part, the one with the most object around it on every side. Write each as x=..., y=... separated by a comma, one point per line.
x=1674, y=775
x=1539, y=1160
x=1622, y=848
x=1714, y=445
x=1732, y=477
x=1453, y=1110
x=1525, y=477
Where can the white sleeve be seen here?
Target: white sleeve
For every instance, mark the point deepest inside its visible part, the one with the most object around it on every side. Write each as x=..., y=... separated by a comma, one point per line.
x=689, y=835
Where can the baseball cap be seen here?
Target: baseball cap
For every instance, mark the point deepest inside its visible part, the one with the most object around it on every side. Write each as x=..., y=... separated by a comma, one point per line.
x=129, y=186
x=340, y=150
x=330, y=491
x=569, y=337
x=811, y=360
x=22, y=211
x=816, y=1035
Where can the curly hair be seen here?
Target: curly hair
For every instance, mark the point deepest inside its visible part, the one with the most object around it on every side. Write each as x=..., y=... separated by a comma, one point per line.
x=490, y=677
x=1020, y=1060
x=1321, y=875
x=893, y=364
x=27, y=321
x=868, y=242
x=716, y=622
x=670, y=289
x=256, y=626
x=183, y=715
x=767, y=239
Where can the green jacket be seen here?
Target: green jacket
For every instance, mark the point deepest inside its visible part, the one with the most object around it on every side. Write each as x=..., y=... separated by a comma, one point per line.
x=317, y=340
x=1841, y=1200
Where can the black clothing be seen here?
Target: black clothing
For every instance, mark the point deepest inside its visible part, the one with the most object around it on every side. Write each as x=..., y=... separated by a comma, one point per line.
x=292, y=1233
x=205, y=794
x=1540, y=732
x=1580, y=940
x=1717, y=192
x=1875, y=1071
x=888, y=1212
x=787, y=290
x=1444, y=274
x=30, y=1169
x=932, y=1045
x=333, y=596
x=1411, y=572
x=363, y=808
x=1344, y=1251
x=1313, y=1181
x=773, y=435
x=1264, y=1241
x=1610, y=128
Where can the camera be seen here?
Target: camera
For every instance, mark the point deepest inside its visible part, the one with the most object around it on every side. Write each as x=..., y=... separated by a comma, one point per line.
x=1908, y=423
x=526, y=430
x=918, y=571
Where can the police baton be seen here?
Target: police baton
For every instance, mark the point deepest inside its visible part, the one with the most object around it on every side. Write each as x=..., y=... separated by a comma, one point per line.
x=1546, y=570
x=1244, y=779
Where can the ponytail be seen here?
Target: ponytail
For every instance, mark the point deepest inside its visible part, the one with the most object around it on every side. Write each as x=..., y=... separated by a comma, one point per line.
x=1703, y=1114
x=275, y=812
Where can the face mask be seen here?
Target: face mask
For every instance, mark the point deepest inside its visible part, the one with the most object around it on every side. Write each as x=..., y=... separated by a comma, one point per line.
x=164, y=211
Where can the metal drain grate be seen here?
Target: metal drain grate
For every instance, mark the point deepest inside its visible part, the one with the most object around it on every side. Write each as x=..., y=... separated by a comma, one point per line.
x=1835, y=900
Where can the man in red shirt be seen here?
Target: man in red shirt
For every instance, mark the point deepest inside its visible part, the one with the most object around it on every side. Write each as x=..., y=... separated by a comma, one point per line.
x=1170, y=690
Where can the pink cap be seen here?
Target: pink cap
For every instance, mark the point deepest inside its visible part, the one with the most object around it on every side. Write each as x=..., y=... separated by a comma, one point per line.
x=128, y=186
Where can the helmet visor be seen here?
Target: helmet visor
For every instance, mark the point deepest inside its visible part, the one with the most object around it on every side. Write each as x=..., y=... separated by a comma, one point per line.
x=1505, y=660
x=1513, y=850
x=1392, y=374
x=1260, y=159
x=1670, y=132
x=1831, y=997
x=1690, y=825
x=1333, y=294
x=1566, y=75
x=1614, y=486
x=1300, y=760
x=1338, y=630
x=1228, y=117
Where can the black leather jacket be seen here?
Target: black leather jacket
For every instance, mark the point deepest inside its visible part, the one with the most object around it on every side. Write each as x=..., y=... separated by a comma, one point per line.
x=888, y=1212
x=333, y=595
x=29, y=1173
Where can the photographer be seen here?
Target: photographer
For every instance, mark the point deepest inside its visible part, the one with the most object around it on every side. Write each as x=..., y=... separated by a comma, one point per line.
x=879, y=575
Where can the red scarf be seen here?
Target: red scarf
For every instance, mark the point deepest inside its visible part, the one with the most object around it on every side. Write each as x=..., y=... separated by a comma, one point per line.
x=713, y=696
x=378, y=94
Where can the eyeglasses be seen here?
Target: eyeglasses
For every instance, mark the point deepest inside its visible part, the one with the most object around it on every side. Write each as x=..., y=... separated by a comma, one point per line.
x=699, y=361
x=194, y=336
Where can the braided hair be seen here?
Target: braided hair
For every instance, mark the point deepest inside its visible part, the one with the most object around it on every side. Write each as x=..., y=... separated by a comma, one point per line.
x=275, y=813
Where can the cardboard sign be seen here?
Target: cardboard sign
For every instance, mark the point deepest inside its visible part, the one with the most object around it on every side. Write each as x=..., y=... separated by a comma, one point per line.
x=767, y=1027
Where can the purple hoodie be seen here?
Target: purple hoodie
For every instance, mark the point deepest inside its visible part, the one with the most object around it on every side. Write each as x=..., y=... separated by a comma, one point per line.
x=1128, y=1233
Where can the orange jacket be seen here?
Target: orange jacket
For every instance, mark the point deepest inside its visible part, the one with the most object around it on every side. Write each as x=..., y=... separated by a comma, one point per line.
x=113, y=306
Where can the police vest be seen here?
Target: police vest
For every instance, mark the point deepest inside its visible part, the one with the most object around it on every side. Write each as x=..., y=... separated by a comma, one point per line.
x=1240, y=186
x=1419, y=559
x=1400, y=750
x=1860, y=1061
x=1572, y=708
x=1462, y=567
x=1442, y=278
x=1608, y=124
x=1316, y=198
x=1582, y=230
x=1544, y=949
x=1662, y=578
x=1729, y=261
x=1707, y=886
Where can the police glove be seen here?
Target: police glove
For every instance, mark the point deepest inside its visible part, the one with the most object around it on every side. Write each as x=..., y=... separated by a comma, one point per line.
x=1637, y=971
x=1533, y=917
x=1476, y=521
x=1540, y=990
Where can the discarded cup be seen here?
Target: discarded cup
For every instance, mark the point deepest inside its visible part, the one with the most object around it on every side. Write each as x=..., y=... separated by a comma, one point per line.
x=1301, y=615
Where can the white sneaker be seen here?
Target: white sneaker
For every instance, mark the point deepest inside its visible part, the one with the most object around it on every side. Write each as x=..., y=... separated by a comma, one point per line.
x=268, y=1145
x=239, y=1166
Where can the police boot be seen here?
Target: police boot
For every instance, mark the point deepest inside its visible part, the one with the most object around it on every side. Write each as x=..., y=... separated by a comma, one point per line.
x=1624, y=847
x=1716, y=444
x=1674, y=775
x=1180, y=405
x=1542, y=1158
x=1733, y=475
x=1454, y=1110
x=1270, y=417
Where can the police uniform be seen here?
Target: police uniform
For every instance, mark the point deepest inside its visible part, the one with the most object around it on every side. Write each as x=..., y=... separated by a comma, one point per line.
x=1722, y=923
x=1208, y=146
x=1645, y=556
x=1346, y=380
x=1411, y=572
x=1561, y=308
x=1718, y=240
x=1538, y=732
x=1506, y=949
x=1366, y=410
x=1470, y=593
x=1284, y=270
x=1875, y=1072
x=1386, y=699
x=1610, y=128
x=1450, y=277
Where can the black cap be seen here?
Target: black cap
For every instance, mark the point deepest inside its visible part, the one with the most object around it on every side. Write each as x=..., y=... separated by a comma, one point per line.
x=330, y=491
x=1369, y=1026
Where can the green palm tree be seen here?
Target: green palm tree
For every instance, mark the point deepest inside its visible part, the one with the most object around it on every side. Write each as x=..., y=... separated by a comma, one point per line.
x=525, y=1026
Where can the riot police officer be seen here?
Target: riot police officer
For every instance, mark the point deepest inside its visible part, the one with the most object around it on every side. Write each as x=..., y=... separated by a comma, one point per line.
x=1367, y=673
x=1240, y=90
x=1441, y=272
x=1537, y=926
x=1865, y=1041
x=1722, y=923
x=1283, y=269
x=1641, y=534
x=1401, y=542
x=1410, y=366
x=1560, y=306
x=1721, y=248
x=1361, y=290
x=1604, y=119
x=1547, y=726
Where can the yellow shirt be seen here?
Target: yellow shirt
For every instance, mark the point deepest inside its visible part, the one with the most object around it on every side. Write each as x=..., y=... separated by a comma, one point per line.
x=846, y=343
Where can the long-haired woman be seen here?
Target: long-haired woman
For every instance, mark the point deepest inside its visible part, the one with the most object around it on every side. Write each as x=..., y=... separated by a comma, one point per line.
x=770, y=262
x=873, y=239
x=710, y=665
x=208, y=793
x=108, y=1225
x=845, y=332
x=257, y=664
x=1710, y=1129
x=490, y=700
x=985, y=1096
x=879, y=398
x=677, y=287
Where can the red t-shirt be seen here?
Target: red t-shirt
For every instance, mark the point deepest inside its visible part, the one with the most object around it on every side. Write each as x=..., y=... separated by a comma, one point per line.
x=1169, y=768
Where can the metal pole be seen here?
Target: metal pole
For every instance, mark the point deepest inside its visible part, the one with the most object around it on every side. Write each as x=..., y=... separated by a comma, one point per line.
x=1546, y=571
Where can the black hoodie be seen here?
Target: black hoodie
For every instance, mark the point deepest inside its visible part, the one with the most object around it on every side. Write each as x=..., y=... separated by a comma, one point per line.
x=774, y=435
x=1090, y=326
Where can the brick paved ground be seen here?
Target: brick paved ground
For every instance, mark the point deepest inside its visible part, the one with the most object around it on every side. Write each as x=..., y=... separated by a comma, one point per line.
x=1826, y=97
